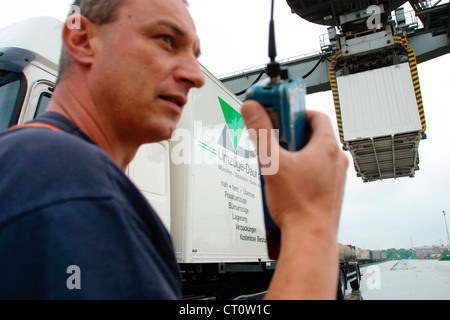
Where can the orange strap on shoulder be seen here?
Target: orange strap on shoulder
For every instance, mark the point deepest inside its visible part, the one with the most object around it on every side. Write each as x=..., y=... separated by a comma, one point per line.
x=35, y=125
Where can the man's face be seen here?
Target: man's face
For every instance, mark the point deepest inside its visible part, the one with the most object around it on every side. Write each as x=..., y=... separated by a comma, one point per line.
x=146, y=65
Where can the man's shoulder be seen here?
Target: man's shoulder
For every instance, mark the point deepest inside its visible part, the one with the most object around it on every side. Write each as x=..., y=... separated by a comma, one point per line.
x=48, y=149
x=40, y=166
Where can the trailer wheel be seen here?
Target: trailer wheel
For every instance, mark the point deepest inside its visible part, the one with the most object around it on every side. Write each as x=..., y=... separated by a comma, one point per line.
x=341, y=286
x=355, y=284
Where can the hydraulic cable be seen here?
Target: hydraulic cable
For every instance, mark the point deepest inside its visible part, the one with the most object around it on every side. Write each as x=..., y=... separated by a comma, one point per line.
x=322, y=59
x=254, y=82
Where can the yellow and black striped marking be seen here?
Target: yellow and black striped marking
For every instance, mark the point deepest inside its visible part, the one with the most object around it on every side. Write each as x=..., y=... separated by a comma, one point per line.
x=414, y=75
x=416, y=84
x=334, y=89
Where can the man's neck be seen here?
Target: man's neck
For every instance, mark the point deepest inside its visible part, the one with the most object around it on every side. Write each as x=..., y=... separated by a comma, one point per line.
x=72, y=102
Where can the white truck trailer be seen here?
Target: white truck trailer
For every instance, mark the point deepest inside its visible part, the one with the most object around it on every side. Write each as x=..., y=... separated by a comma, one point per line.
x=204, y=182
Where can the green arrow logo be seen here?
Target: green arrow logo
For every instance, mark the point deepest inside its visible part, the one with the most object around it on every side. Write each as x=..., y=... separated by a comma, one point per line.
x=234, y=121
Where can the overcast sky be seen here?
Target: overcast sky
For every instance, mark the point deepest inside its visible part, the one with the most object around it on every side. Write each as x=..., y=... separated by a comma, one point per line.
x=376, y=215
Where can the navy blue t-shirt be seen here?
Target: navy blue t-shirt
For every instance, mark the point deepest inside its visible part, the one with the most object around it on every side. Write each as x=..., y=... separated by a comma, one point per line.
x=73, y=226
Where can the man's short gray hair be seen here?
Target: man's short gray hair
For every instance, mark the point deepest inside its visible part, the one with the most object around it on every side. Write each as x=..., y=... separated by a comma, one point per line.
x=98, y=12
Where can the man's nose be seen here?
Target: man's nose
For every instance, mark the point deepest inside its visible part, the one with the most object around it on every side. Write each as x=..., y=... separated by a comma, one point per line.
x=190, y=72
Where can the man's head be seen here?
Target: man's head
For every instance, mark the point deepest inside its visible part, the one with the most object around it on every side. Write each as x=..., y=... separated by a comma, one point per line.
x=138, y=60
x=98, y=12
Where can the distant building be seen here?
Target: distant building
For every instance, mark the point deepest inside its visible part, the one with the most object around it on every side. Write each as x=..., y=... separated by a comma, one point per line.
x=429, y=252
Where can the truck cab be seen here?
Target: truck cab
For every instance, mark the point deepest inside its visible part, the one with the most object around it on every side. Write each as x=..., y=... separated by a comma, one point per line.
x=29, y=58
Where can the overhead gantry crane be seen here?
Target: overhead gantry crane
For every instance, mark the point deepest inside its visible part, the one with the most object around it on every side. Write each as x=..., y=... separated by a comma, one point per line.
x=369, y=60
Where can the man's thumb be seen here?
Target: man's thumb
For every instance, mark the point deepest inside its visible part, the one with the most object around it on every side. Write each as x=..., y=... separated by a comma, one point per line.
x=262, y=134
x=255, y=116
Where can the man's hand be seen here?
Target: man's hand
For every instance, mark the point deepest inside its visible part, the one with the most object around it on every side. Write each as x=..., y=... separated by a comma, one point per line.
x=304, y=198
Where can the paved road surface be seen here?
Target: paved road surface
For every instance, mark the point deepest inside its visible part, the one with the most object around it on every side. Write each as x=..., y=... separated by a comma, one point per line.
x=404, y=280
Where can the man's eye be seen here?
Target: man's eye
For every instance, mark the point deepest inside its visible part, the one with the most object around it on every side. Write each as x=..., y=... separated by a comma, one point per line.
x=167, y=39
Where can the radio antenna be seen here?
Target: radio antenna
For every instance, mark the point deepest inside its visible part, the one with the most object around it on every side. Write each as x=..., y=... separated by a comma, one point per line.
x=273, y=68
x=272, y=43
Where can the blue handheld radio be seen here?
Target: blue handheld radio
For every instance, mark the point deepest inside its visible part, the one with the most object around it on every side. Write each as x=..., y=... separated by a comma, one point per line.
x=284, y=101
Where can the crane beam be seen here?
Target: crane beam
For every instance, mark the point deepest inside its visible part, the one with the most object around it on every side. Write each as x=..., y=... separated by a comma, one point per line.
x=425, y=46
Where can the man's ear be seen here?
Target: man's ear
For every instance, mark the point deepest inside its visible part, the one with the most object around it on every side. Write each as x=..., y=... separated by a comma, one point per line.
x=77, y=40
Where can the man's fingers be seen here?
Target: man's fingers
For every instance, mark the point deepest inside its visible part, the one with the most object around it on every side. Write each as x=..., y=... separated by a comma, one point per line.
x=320, y=124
